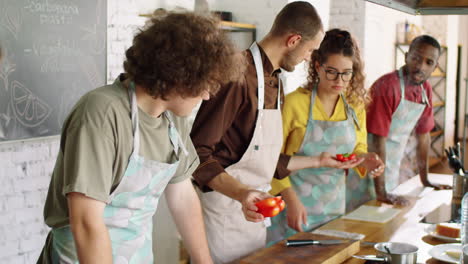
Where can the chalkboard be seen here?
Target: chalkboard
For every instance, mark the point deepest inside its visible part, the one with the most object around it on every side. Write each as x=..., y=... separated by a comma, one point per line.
x=54, y=51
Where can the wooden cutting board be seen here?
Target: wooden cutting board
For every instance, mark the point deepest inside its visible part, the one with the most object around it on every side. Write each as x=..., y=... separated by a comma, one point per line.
x=326, y=254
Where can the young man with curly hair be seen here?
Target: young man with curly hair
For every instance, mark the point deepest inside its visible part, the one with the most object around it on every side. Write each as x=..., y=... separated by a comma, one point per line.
x=126, y=144
x=238, y=136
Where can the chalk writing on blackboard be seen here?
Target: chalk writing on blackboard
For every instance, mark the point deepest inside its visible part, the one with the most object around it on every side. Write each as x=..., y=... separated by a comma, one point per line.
x=54, y=52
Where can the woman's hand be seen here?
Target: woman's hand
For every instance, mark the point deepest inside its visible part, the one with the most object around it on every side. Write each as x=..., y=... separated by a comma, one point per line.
x=330, y=161
x=296, y=212
x=373, y=164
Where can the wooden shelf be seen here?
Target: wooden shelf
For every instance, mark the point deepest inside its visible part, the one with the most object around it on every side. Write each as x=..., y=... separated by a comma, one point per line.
x=436, y=133
x=438, y=73
x=230, y=24
x=224, y=24
x=438, y=104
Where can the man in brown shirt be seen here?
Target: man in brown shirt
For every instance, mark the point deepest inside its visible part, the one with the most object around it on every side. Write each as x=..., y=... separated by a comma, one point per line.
x=224, y=129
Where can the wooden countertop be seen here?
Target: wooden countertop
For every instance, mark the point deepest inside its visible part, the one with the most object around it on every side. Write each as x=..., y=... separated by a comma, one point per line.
x=407, y=226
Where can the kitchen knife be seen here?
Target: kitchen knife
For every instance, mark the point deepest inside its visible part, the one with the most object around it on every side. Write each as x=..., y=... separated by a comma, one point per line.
x=305, y=242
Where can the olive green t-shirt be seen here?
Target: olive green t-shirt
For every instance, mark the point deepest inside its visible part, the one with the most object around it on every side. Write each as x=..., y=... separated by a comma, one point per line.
x=96, y=144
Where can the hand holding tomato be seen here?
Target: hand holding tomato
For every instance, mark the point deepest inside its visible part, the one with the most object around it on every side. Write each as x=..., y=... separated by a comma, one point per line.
x=331, y=161
x=271, y=206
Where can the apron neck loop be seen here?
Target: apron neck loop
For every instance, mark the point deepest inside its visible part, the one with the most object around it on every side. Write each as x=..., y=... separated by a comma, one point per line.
x=312, y=100
x=134, y=116
x=261, y=78
x=174, y=136
x=425, y=99
x=349, y=110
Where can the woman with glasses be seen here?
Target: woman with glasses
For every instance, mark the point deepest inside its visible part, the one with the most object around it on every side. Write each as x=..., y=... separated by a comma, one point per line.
x=324, y=118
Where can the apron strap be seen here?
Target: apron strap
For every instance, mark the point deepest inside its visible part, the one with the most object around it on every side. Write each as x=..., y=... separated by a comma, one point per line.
x=260, y=78
x=350, y=112
x=134, y=116
x=278, y=100
x=312, y=101
x=175, y=137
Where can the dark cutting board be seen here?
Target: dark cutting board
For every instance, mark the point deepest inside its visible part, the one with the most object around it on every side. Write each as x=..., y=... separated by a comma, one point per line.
x=279, y=253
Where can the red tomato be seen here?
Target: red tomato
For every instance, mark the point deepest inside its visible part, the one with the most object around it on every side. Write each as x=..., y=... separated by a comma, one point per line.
x=281, y=205
x=352, y=156
x=271, y=206
x=339, y=157
x=345, y=159
x=266, y=203
x=270, y=212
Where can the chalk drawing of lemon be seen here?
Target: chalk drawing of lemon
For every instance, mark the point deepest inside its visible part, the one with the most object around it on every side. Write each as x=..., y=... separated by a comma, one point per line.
x=29, y=110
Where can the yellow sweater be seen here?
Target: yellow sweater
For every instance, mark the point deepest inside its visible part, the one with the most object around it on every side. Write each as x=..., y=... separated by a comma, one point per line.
x=295, y=116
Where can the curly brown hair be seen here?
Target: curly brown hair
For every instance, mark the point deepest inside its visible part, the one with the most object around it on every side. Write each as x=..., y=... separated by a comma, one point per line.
x=338, y=41
x=182, y=53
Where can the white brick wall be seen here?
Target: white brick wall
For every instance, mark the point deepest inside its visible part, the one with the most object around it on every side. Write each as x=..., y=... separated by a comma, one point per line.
x=26, y=166
x=123, y=21
x=349, y=15
x=24, y=178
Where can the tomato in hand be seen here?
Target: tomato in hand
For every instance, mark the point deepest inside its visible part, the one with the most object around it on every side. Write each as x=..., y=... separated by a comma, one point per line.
x=266, y=203
x=271, y=206
x=281, y=204
x=345, y=157
x=339, y=157
x=270, y=211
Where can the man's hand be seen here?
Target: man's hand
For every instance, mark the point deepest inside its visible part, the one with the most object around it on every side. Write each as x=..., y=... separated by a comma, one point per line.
x=330, y=161
x=393, y=199
x=437, y=186
x=248, y=200
x=296, y=215
x=296, y=212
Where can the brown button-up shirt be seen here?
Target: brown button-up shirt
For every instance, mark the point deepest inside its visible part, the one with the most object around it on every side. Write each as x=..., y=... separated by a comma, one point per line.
x=225, y=124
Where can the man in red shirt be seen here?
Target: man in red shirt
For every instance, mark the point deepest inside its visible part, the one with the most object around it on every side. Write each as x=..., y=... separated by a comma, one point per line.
x=391, y=118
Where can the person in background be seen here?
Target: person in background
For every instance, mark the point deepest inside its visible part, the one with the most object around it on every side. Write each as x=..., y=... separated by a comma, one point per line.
x=124, y=145
x=325, y=118
x=238, y=136
x=391, y=117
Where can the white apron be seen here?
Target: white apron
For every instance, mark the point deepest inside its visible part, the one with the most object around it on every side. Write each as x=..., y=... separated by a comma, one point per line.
x=131, y=206
x=403, y=121
x=230, y=236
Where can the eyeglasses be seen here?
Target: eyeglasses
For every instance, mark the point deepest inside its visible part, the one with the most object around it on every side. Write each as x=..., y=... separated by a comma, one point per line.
x=332, y=75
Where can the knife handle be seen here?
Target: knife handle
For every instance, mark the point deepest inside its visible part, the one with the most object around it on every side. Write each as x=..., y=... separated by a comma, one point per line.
x=297, y=243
